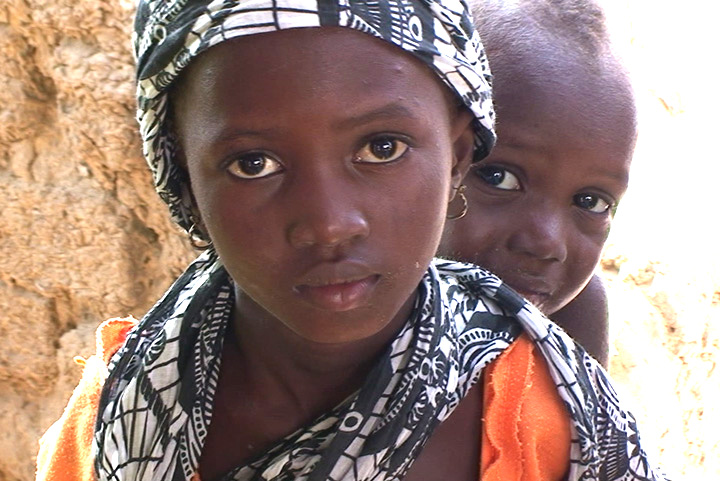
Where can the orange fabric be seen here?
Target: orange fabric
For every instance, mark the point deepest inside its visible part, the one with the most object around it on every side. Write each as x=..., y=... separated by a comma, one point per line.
x=66, y=448
x=517, y=388
x=526, y=428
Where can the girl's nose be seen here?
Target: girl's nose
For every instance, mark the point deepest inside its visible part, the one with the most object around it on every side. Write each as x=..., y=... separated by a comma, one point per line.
x=540, y=233
x=326, y=214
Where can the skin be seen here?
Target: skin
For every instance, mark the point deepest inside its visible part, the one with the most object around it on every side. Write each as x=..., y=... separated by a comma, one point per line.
x=303, y=176
x=540, y=206
x=586, y=318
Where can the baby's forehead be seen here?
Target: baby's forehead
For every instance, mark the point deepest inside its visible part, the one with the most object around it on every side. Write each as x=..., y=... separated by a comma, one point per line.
x=550, y=81
x=548, y=73
x=552, y=63
x=593, y=102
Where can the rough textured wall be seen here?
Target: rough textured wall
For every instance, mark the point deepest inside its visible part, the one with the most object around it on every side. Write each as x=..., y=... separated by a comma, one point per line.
x=664, y=356
x=663, y=261
x=84, y=238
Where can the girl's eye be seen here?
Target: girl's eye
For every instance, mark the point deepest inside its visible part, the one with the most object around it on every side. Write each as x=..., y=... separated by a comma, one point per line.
x=498, y=177
x=381, y=150
x=254, y=166
x=592, y=203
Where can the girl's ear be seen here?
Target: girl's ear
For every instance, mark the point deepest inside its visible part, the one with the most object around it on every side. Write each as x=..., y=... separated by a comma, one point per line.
x=463, y=137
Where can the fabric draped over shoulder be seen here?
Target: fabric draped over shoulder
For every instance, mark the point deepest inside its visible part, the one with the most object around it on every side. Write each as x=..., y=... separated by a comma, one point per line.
x=161, y=387
x=526, y=429
x=66, y=447
x=170, y=33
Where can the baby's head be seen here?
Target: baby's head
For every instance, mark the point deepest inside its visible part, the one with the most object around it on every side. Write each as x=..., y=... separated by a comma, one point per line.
x=540, y=206
x=318, y=161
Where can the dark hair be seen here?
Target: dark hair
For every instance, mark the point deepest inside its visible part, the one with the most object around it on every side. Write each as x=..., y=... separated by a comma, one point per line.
x=578, y=25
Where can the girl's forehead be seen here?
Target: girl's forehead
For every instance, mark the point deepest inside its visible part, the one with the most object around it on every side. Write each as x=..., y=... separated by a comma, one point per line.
x=269, y=51
x=337, y=74
x=324, y=55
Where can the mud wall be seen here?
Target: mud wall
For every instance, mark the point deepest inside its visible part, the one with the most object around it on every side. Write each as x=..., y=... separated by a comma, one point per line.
x=83, y=236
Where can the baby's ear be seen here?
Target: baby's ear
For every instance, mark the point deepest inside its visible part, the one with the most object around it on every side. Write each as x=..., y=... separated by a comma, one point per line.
x=463, y=137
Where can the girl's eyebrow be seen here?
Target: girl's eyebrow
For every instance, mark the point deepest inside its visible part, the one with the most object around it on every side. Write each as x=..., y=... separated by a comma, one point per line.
x=392, y=110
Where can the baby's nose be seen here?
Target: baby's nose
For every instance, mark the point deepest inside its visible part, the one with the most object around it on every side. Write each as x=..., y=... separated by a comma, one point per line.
x=540, y=233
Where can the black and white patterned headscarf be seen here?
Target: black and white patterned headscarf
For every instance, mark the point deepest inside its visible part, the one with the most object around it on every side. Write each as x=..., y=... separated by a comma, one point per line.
x=170, y=33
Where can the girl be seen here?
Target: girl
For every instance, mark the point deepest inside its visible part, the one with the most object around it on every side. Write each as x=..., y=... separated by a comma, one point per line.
x=313, y=147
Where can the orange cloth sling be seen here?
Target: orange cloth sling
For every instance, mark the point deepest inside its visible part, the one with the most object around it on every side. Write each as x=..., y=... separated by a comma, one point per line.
x=526, y=429
x=66, y=447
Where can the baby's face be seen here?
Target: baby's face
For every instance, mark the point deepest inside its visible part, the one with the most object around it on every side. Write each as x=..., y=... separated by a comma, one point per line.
x=540, y=205
x=321, y=163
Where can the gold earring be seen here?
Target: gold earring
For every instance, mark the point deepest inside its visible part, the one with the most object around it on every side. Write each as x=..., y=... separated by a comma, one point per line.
x=197, y=238
x=460, y=190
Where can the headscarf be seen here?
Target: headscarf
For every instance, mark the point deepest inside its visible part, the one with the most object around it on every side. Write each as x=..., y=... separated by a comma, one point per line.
x=170, y=33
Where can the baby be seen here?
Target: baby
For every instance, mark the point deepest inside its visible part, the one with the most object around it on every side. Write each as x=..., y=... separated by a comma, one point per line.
x=539, y=207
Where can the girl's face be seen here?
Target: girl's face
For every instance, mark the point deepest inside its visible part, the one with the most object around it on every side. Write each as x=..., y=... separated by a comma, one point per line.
x=540, y=205
x=322, y=162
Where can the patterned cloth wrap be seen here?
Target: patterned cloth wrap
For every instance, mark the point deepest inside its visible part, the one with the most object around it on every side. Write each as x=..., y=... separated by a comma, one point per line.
x=157, y=402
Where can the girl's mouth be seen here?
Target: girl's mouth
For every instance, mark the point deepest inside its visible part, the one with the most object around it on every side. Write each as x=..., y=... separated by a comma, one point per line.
x=338, y=294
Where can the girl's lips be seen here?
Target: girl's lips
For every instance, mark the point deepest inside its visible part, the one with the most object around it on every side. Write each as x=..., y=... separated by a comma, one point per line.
x=339, y=295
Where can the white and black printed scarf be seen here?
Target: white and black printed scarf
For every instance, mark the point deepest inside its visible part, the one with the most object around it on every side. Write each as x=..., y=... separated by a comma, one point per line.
x=157, y=403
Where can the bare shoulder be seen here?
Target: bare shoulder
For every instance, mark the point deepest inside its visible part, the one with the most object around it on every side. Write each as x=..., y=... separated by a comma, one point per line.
x=585, y=318
x=453, y=450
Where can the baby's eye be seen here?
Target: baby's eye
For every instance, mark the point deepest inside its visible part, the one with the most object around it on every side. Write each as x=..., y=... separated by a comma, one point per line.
x=592, y=203
x=380, y=150
x=498, y=177
x=254, y=166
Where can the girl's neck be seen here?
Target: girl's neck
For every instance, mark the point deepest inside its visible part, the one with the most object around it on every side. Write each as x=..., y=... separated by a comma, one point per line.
x=275, y=361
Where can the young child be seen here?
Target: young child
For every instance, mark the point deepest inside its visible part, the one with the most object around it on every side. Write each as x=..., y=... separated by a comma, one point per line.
x=314, y=147
x=539, y=207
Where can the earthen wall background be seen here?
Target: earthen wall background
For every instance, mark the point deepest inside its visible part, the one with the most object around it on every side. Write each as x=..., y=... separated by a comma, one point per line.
x=83, y=236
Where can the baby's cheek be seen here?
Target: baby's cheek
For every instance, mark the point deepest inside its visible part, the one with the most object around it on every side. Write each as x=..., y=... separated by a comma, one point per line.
x=477, y=237
x=580, y=267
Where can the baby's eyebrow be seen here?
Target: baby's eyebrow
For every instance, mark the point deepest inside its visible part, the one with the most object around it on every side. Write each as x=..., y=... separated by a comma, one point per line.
x=392, y=110
x=623, y=177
